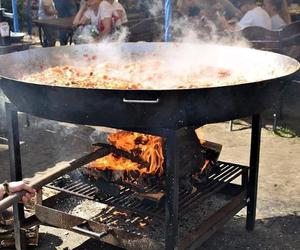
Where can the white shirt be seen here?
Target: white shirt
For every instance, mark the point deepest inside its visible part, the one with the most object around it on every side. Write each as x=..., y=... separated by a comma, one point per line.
x=41, y=11
x=105, y=10
x=256, y=17
x=117, y=6
x=277, y=22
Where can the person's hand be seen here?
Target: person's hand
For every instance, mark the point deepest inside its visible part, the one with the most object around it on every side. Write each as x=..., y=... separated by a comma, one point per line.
x=17, y=186
x=83, y=6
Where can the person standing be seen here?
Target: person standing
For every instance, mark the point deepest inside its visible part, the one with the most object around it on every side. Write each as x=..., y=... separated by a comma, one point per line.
x=31, y=7
x=65, y=8
x=47, y=11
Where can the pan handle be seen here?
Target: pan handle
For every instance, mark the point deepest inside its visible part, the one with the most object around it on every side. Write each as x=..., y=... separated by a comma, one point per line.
x=89, y=233
x=157, y=100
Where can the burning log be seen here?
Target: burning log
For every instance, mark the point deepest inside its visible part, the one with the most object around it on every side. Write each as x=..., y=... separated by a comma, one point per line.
x=122, y=153
x=136, y=161
x=197, y=157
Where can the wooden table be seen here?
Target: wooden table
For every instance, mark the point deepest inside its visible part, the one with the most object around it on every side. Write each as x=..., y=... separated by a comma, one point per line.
x=60, y=24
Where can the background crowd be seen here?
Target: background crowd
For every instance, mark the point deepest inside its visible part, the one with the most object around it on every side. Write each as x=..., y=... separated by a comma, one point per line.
x=102, y=17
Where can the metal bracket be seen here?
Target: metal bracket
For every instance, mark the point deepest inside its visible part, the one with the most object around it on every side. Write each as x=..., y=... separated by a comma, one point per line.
x=141, y=101
x=89, y=233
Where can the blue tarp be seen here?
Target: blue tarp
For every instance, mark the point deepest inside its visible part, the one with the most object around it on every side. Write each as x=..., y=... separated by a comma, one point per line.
x=15, y=15
x=168, y=19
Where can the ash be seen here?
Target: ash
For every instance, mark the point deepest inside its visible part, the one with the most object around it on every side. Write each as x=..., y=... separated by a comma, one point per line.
x=191, y=220
x=154, y=229
x=79, y=207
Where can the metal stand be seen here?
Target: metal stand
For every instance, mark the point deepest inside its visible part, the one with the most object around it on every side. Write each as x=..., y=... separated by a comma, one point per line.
x=172, y=187
x=254, y=166
x=172, y=180
x=15, y=171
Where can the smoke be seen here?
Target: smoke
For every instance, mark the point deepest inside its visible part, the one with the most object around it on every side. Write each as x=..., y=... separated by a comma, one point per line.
x=171, y=65
x=154, y=7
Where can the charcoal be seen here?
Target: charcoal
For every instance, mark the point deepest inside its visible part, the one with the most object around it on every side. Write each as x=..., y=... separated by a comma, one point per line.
x=106, y=189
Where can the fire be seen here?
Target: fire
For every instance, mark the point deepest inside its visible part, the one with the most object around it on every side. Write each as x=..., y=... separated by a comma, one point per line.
x=147, y=147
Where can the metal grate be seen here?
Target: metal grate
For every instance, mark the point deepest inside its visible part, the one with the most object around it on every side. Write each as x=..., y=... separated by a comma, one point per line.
x=126, y=200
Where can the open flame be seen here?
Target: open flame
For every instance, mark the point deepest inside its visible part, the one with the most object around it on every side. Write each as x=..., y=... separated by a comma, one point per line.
x=147, y=147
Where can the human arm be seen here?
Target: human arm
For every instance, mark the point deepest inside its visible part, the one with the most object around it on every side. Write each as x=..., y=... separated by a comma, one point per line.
x=48, y=7
x=17, y=186
x=80, y=17
x=105, y=15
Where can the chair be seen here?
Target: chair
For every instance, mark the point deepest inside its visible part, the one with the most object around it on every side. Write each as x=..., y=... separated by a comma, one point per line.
x=290, y=38
x=262, y=38
x=281, y=41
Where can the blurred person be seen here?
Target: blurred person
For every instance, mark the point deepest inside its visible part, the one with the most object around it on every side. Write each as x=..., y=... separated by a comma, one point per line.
x=188, y=7
x=98, y=13
x=253, y=15
x=65, y=8
x=229, y=11
x=278, y=11
x=31, y=9
x=8, y=188
x=47, y=11
x=119, y=12
x=213, y=13
x=193, y=8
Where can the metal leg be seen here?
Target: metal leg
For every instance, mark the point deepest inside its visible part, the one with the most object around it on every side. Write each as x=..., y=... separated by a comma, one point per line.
x=15, y=171
x=41, y=36
x=254, y=166
x=274, y=122
x=27, y=121
x=230, y=125
x=71, y=38
x=171, y=233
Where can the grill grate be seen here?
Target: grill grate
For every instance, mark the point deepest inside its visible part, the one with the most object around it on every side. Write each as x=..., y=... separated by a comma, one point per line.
x=126, y=200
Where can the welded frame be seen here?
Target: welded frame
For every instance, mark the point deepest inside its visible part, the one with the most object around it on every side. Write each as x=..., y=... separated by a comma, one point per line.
x=171, y=230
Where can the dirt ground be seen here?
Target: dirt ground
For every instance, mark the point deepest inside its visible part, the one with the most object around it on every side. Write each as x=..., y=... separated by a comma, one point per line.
x=278, y=205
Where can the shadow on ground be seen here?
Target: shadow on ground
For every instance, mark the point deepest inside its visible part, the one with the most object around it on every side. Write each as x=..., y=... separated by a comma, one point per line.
x=270, y=233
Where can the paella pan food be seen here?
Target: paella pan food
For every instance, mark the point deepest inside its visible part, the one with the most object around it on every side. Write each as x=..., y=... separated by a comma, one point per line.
x=155, y=67
x=130, y=75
